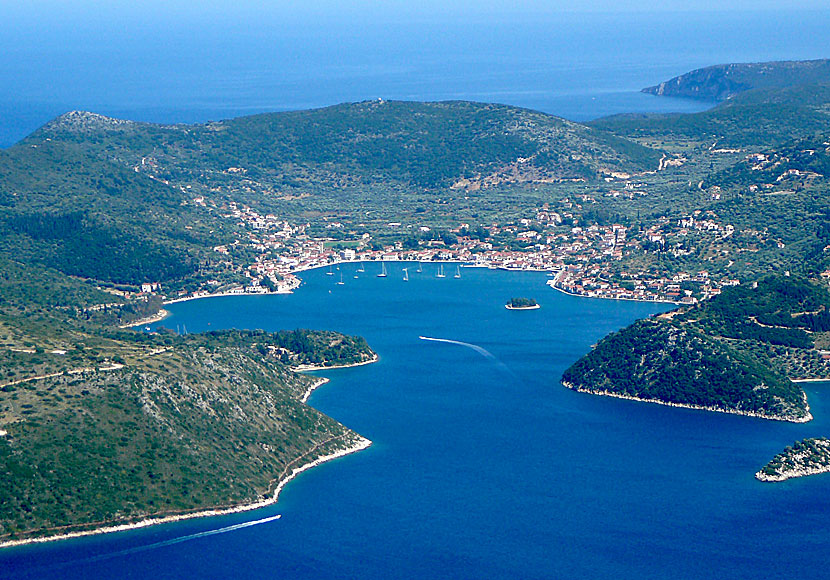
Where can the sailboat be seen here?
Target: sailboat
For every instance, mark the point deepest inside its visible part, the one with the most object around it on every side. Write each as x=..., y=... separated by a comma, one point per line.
x=419, y=268
x=440, y=271
x=341, y=279
x=405, y=275
x=383, y=270
x=457, y=272
x=330, y=272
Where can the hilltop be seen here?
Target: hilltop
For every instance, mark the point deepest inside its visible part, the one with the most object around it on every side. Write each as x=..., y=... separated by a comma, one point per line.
x=748, y=119
x=760, y=104
x=425, y=145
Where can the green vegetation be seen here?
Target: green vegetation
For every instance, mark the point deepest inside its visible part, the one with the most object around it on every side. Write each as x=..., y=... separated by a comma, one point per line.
x=294, y=347
x=806, y=457
x=718, y=355
x=106, y=424
x=519, y=303
x=796, y=162
x=658, y=361
x=186, y=424
x=76, y=245
x=762, y=117
x=418, y=144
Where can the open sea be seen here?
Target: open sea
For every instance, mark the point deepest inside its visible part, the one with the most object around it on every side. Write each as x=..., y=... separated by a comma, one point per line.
x=202, y=67
x=483, y=465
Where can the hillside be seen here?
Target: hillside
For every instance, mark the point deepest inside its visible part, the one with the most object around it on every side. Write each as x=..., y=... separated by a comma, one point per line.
x=136, y=426
x=94, y=207
x=720, y=82
x=426, y=145
x=734, y=353
x=761, y=104
x=660, y=362
x=790, y=165
x=131, y=203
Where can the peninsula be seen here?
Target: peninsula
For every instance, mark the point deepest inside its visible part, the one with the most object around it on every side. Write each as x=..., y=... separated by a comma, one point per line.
x=731, y=354
x=807, y=457
x=145, y=428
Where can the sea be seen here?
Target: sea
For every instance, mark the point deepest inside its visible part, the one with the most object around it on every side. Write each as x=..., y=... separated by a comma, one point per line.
x=482, y=464
x=151, y=66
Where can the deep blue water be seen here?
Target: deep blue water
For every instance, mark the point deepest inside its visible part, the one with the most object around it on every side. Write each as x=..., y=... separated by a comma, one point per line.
x=579, y=66
x=485, y=466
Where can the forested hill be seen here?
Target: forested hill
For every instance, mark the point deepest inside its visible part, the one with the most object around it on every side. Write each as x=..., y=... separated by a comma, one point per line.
x=722, y=81
x=422, y=144
x=734, y=353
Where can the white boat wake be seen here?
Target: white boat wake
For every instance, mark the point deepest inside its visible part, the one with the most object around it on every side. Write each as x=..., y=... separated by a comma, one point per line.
x=181, y=539
x=480, y=350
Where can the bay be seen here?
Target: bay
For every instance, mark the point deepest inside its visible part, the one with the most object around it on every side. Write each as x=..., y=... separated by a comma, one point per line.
x=483, y=465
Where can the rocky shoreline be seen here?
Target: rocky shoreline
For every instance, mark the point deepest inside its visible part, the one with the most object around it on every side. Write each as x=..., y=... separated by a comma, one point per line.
x=807, y=457
x=323, y=380
x=157, y=317
x=806, y=418
x=356, y=444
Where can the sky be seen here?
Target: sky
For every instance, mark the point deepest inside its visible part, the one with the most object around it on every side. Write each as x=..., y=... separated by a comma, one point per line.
x=75, y=10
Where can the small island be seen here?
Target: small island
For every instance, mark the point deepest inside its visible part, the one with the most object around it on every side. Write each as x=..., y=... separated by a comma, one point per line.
x=806, y=457
x=521, y=304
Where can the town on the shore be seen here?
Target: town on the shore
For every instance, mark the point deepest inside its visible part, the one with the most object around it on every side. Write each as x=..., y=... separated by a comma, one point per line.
x=582, y=260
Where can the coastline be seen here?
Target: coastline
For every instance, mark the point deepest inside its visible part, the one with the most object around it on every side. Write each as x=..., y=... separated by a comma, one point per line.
x=359, y=444
x=220, y=294
x=807, y=418
x=463, y=263
x=323, y=380
x=791, y=474
x=310, y=368
x=808, y=457
x=157, y=317
x=318, y=383
x=297, y=282
x=656, y=300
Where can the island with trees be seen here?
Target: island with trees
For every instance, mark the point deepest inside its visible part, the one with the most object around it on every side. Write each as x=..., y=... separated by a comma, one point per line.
x=522, y=304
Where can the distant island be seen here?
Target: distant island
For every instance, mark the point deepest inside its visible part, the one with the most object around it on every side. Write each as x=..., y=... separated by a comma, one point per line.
x=521, y=304
x=807, y=457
